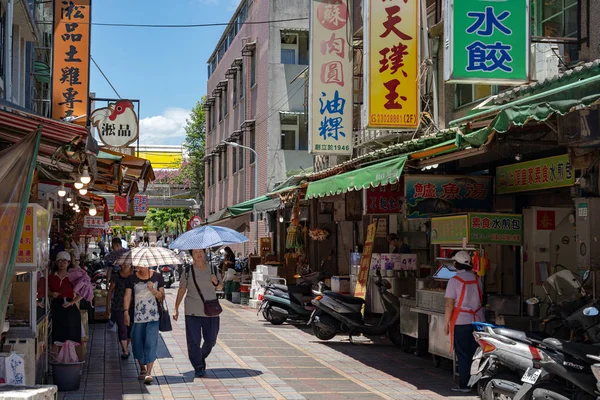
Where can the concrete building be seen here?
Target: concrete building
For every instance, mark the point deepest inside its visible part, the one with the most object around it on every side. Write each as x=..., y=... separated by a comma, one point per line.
x=256, y=99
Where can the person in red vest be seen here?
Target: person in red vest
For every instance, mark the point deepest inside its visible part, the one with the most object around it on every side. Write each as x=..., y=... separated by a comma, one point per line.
x=463, y=306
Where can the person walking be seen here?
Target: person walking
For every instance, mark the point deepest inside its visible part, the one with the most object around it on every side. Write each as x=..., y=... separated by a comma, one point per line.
x=116, y=299
x=463, y=306
x=146, y=287
x=66, y=318
x=198, y=284
x=146, y=238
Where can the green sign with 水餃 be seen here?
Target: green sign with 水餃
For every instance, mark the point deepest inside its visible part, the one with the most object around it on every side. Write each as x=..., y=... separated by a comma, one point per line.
x=545, y=173
x=486, y=228
x=487, y=41
x=449, y=230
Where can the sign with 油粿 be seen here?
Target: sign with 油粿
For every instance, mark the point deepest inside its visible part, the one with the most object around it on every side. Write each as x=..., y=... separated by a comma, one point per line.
x=449, y=230
x=545, y=173
x=495, y=229
x=71, y=60
x=392, y=64
x=487, y=41
x=117, y=124
x=431, y=195
x=330, y=85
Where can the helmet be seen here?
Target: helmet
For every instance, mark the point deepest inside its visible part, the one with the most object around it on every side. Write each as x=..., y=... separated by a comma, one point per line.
x=462, y=257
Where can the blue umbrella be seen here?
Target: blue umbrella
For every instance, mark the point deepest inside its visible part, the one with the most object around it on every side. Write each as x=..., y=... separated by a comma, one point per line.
x=206, y=237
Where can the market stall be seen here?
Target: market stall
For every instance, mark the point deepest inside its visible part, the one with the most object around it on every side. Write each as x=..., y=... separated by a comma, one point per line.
x=482, y=235
x=27, y=310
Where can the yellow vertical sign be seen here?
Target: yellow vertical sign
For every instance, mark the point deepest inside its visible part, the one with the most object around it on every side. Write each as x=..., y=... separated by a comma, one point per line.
x=365, y=262
x=392, y=64
x=71, y=60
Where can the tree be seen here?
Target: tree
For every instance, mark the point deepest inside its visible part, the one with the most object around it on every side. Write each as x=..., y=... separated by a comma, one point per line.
x=167, y=219
x=195, y=143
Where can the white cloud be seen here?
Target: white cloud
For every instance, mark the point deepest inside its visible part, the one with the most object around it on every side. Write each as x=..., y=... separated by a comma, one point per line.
x=166, y=128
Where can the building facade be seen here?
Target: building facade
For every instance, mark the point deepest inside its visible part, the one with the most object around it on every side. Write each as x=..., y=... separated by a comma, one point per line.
x=256, y=98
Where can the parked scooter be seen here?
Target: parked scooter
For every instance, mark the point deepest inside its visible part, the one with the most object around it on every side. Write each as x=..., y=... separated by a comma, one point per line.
x=283, y=302
x=168, y=274
x=337, y=313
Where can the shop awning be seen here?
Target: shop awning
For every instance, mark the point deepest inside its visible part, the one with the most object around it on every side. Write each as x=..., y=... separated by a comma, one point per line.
x=269, y=205
x=246, y=206
x=216, y=216
x=383, y=173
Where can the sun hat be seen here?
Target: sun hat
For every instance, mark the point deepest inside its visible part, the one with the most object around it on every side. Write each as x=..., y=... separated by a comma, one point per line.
x=63, y=255
x=462, y=257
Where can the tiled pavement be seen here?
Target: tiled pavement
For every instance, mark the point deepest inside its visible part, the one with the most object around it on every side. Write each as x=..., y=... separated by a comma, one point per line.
x=256, y=360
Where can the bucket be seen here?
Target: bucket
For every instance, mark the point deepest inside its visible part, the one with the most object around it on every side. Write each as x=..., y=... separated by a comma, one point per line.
x=236, y=297
x=67, y=376
x=533, y=310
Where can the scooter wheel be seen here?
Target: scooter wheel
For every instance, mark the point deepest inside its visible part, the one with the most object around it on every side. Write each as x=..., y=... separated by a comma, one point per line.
x=276, y=318
x=395, y=335
x=327, y=333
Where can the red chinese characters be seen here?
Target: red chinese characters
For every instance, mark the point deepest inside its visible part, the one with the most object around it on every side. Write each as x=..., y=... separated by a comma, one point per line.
x=333, y=14
x=451, y=192
x=425, y=191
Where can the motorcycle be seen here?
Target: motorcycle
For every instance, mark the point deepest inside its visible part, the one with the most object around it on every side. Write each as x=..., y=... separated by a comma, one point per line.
x=511, y=362
x=168, y=274
x=337, y=313
x=283, y=302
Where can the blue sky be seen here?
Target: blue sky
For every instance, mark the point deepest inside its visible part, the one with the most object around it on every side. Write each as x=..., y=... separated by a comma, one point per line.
x=164, y=68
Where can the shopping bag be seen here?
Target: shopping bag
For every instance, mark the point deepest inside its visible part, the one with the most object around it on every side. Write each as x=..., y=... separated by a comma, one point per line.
x=165, y=318
x=67, y=353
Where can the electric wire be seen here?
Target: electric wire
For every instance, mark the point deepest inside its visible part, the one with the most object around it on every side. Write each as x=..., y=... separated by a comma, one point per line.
x=176, y=26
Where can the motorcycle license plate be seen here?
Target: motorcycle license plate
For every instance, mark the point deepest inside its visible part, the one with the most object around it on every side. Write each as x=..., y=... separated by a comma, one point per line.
x=531, y=375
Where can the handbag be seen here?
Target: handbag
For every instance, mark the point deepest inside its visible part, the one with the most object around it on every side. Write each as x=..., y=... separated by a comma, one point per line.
x=212, y=308
x=164, y=322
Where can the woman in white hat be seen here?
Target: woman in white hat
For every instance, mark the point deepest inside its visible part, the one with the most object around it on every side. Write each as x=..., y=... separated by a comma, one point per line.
x=66, y=317
x=463, y=306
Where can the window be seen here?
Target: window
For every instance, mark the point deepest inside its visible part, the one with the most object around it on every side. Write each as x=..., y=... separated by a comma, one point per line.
x=466, y=93
x=241, y=155
x=235, y=89
x=253, y=69
x=234, y=160
x=294, y=135
x=558, y=18
x=225, y=164
x=213, y=116
x=211, y=178
x=220, y=167
x=289, y=48
x=252, y=144
x=241, y=80
x=224, y=96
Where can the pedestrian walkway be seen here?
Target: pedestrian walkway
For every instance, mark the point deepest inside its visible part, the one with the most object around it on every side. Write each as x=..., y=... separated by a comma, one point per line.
x=256, y=360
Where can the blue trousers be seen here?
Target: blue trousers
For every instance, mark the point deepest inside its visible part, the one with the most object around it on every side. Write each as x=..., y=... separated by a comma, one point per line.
x=195, y=329
x=144, y=340
x=465, y=347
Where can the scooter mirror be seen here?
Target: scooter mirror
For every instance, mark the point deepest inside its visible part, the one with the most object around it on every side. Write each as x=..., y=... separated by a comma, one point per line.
x=586, y=275
x=297, y=276
x=590, y=311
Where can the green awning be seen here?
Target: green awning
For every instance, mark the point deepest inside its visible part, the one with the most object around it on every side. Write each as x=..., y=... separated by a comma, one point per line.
x=246, y=206
x=283, y=189
x=383, y=173
x=107, y=156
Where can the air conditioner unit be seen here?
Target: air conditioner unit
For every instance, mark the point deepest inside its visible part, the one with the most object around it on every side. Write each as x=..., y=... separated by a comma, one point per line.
x=545, y=58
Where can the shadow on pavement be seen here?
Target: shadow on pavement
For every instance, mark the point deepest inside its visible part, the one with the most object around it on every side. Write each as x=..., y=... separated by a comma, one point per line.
x=217, y=373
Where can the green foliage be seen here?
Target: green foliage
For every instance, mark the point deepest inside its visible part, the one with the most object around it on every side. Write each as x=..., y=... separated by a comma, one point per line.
x=195, y=143
x=167, y=219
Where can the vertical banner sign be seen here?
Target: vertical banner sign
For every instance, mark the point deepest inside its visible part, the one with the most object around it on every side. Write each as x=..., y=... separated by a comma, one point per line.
x=487, y=41
x=71, y=59
x=392, y=64
x=331, y=77
x=365, y=262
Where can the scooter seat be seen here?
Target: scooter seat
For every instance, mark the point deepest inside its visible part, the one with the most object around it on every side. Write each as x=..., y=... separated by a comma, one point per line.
x=344, y=298
x=277, y=286
x=521, y=335
x=577, y=350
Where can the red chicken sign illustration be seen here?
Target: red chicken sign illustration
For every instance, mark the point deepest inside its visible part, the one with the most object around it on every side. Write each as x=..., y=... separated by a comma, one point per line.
x=117, y=124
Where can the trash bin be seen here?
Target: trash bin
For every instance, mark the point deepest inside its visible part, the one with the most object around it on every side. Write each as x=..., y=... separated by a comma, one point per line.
x=67, y=376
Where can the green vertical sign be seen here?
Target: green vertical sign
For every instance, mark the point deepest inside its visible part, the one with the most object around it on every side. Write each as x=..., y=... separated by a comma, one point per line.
x=487, y=41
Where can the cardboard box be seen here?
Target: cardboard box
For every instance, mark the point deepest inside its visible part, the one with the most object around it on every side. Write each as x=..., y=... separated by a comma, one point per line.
x=340, y=284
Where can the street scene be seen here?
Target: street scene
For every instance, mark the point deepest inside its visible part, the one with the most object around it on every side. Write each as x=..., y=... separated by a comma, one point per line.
x=277, y=199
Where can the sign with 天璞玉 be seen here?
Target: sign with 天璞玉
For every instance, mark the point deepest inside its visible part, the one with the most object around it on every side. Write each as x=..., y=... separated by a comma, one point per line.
x=331, y=76
x=505, y=229
x=391, y=90
x=545, y=173
x=431, y=195
x=486, y=41
x=71, y=60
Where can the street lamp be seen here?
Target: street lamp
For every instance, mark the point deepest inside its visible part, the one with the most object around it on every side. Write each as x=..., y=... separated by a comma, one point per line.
x=234, y=144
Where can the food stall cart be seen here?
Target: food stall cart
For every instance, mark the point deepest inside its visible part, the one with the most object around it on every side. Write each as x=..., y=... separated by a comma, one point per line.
x=472, y=232
x=27, y=310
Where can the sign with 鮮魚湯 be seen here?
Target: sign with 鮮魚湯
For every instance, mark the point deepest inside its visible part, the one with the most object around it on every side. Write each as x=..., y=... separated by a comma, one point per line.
x=71, y=60
x=449, y=230
x=486, y=41
x=545, y=173
x=331, y=75
x=506, y=229
x=391, y=64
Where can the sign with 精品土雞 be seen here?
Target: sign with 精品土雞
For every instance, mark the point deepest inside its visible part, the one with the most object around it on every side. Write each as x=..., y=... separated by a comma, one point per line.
x=392, y=64
x=545, y=173
x=71, y=60
x=117, y=124
x=331, y=75
x=486, y=41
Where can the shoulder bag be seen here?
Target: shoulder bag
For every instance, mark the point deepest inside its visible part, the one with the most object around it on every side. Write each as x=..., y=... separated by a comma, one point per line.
x=164, y=322
x=212, y=308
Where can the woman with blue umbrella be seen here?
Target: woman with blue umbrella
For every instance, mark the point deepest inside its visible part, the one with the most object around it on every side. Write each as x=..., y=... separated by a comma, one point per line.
x=198, y=285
